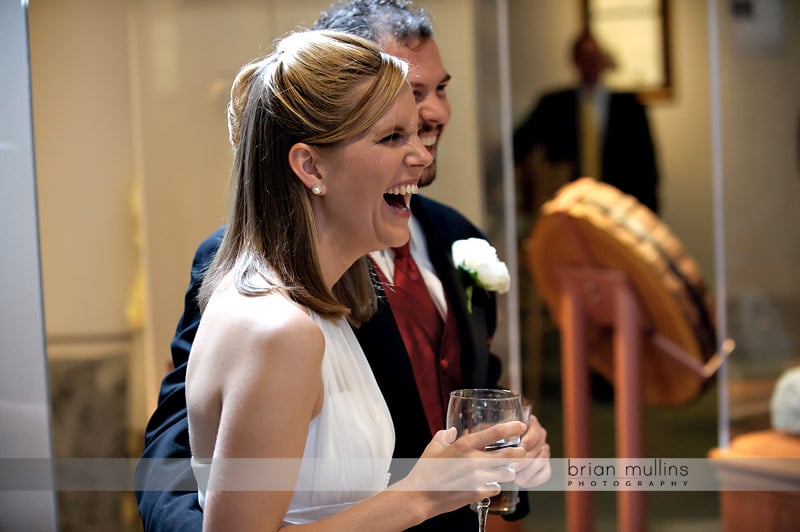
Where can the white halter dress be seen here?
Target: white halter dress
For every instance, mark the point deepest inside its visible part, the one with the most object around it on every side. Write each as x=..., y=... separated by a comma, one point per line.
x=350, y=441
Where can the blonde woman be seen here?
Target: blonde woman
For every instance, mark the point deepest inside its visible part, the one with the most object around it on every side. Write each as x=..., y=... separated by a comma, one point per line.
x=287, y=424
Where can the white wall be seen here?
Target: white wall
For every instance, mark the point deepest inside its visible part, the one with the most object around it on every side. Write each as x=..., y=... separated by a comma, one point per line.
x=682, y=129
x=458, y=160
x=81, y=109
x=760, y=79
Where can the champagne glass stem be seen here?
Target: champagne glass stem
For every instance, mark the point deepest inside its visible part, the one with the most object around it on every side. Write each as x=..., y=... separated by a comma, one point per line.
x=483, y=512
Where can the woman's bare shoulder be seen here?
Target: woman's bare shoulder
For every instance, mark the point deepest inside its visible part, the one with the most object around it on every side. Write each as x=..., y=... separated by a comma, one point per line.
x=254, y=330
x=251, y=351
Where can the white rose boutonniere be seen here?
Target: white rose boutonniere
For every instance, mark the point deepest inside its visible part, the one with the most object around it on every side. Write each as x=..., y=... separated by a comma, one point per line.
x=478, y=264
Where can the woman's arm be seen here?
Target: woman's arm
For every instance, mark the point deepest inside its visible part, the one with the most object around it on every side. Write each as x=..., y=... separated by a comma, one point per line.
x=450, y=474
x=254, y=384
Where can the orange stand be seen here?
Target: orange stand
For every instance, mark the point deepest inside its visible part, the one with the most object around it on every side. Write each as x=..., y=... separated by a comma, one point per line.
x=605, y=298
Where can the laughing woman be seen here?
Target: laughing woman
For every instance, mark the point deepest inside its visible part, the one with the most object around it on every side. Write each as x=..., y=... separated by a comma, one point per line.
x=286, y=421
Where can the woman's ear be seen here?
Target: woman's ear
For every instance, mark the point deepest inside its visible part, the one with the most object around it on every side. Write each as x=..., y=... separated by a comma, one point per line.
x=303, y=161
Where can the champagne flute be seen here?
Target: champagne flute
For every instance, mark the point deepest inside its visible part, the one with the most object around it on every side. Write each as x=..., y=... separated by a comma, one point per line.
x=471, y=410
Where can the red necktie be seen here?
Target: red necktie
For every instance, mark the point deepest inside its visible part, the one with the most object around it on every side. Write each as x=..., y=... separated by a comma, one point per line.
x=421, y=327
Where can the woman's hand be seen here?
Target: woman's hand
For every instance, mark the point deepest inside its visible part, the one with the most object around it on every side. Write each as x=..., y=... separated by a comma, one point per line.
x=535, y=469
x=452, y=473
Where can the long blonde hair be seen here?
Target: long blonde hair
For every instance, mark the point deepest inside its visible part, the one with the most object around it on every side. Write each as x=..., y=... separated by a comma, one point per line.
x=317, y=87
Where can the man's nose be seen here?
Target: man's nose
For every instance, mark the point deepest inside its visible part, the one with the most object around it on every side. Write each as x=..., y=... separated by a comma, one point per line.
x=434, y=110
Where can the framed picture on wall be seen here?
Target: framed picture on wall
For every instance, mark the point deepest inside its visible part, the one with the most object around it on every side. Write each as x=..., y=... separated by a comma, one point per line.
x=636, y=35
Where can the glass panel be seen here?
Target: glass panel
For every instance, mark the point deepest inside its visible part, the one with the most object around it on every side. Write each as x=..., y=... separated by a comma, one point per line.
x=759, y=50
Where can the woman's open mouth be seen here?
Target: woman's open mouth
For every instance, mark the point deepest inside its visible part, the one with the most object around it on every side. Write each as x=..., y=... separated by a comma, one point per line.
x=398, y=197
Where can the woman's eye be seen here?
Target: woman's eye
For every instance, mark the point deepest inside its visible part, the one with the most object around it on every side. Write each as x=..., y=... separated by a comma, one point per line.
x=394, y=137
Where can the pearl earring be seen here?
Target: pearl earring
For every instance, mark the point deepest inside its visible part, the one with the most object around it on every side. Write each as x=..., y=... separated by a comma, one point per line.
x=316, y=190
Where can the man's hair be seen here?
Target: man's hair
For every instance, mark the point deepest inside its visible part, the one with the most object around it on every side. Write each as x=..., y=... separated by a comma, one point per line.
x=380, y=21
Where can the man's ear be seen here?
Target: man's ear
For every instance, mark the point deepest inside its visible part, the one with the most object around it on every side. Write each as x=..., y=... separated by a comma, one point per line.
x=303, y=161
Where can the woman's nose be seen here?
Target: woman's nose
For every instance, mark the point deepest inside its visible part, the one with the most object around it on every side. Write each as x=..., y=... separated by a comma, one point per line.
x=421, y=156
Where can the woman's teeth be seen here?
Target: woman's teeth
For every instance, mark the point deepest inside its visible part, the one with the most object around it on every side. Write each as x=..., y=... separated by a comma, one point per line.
x=403, y=190
x=399, y=196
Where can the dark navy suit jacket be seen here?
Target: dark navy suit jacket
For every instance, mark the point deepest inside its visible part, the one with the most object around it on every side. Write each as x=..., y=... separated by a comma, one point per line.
x=167, y=435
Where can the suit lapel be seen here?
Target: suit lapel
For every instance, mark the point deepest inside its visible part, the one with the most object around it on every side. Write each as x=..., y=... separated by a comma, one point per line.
x=471, y=326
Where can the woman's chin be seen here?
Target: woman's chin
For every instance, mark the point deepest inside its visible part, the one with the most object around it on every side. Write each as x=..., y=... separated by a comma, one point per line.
x=397, y=240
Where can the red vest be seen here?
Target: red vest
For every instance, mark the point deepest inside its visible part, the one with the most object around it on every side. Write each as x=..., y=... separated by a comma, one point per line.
x=437, y=370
